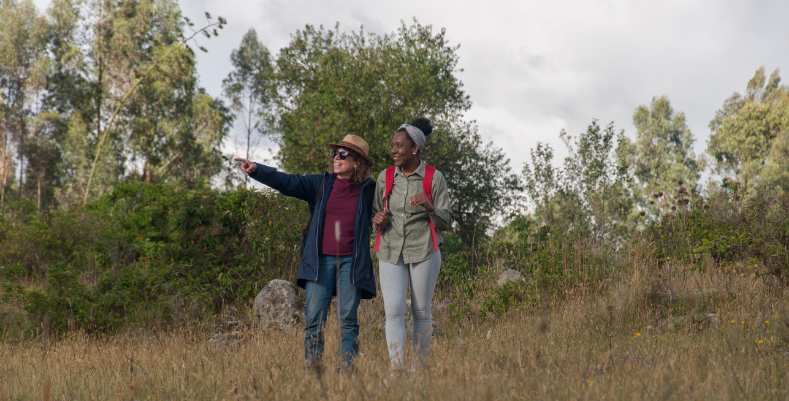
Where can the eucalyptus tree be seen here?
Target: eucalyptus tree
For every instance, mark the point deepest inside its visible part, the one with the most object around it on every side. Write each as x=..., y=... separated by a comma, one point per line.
x=21, y=51
x=661, y=157
x=590, y=194
x=248, y=90
x=750, y=133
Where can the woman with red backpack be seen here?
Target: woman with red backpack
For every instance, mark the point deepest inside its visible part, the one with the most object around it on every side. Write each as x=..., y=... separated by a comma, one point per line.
x=411, y=204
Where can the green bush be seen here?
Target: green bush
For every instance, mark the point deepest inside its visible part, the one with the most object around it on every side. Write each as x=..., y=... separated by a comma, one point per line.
x=553, y=258
x=731, y=226
x=148, y=254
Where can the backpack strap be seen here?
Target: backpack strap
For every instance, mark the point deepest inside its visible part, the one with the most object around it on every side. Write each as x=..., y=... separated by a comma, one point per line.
x=390, y=173
x=427, y=187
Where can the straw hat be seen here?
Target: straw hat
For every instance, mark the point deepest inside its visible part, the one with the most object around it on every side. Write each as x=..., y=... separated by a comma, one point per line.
x=355, y=143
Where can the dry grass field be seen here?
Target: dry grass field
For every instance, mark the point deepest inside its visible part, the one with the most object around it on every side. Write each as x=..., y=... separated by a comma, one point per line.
x=603, y=343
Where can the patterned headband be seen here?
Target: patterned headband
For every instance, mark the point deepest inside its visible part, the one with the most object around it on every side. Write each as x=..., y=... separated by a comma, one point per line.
x=416, y=135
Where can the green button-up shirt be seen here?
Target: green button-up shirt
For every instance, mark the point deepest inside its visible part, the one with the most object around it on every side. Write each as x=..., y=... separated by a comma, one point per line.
x=408, y=231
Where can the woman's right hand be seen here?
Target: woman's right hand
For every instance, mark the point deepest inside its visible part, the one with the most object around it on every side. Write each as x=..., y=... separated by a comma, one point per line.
x=381, y=220
x=247, y=166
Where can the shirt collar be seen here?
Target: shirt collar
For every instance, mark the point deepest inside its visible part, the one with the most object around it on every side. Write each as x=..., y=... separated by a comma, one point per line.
x=420, y=171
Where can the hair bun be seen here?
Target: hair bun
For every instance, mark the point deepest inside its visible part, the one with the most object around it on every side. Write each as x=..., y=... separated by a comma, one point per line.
x=423, y=124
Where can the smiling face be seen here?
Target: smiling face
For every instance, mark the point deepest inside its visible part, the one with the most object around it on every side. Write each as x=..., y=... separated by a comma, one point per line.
x=403, y=150
x=344, y=168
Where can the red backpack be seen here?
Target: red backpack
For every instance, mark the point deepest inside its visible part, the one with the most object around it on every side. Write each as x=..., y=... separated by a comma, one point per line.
x=427, y=186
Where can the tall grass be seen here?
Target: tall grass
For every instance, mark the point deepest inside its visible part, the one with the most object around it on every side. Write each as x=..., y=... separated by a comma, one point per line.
x=618, y=343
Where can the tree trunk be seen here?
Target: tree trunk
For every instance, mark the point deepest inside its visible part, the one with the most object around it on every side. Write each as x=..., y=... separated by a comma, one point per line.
x=249, y=133
x=39, y=193
x=100, y=75
x=21, y=153
x=5, y=162
x=147, y=172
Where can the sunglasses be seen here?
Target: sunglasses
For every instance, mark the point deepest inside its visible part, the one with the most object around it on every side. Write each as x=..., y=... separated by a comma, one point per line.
x=342, y=154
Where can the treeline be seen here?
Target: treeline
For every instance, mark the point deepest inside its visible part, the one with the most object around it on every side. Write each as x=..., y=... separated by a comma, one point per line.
x=101, y=91
x=66, y=72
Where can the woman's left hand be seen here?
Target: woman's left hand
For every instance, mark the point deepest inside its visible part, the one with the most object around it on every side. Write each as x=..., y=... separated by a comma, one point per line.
x=421, y=200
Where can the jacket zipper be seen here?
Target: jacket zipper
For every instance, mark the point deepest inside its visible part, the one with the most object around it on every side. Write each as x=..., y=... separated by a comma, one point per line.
x=356, y=245
x=317, y=246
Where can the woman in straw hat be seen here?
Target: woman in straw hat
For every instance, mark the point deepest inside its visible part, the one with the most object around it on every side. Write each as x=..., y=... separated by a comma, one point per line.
x=411, y=203
x=338, y=234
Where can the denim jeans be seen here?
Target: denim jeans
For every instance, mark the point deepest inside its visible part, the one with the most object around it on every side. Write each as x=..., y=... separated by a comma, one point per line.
x=319, y=295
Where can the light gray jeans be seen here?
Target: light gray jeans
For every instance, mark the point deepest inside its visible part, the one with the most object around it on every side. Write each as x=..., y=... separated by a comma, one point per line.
x=395, y=279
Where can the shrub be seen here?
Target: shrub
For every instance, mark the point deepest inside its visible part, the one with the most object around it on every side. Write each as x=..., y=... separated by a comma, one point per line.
x=148, y=254
x=732, y=225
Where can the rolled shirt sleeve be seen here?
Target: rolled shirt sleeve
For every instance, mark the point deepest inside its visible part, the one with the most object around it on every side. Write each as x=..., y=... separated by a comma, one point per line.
x=441, y=215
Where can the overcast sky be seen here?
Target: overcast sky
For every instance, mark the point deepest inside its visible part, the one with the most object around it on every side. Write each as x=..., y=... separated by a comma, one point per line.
x=533, y=68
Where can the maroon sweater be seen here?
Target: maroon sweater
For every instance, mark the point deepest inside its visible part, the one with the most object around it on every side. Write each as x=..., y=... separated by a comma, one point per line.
x=341, y=206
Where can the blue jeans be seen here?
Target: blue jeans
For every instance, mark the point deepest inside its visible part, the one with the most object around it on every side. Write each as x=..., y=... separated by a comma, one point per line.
x=319, y=294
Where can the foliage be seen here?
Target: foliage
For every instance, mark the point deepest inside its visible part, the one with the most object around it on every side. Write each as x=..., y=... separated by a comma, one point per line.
x=590, y=195
x=84, y=89
x=481, y=184
x=738, y=224
x=662, y=153
x=332, y=83
x=148, y=253
x=22, y=73
x=750, y=133
x=248, y=90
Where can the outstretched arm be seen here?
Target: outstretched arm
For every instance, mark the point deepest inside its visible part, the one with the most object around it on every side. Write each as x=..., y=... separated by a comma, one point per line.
x=299, y=186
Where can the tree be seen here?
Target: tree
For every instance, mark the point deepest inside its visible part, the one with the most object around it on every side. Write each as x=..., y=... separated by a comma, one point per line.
x=21, y=52
x=662, y=154
x=247, y=88
x=749, y=137
x=117, y=109
x=158, y=119
x=173, y=126
x=331, y=83
x=590, y=195
x=479, y=178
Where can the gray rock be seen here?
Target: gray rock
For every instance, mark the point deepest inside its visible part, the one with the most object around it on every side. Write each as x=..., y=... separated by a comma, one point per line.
x=700, y=320
x=706, y=319
x=508, y=275
x=279, y=304
x=230, y=339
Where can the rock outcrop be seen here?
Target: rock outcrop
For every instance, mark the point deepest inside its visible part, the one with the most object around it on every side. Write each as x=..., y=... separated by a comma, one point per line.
x=279, y=304
x=508, y=275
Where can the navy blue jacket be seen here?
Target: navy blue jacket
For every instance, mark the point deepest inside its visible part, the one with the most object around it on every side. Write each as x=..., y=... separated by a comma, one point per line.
x=305, y=187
